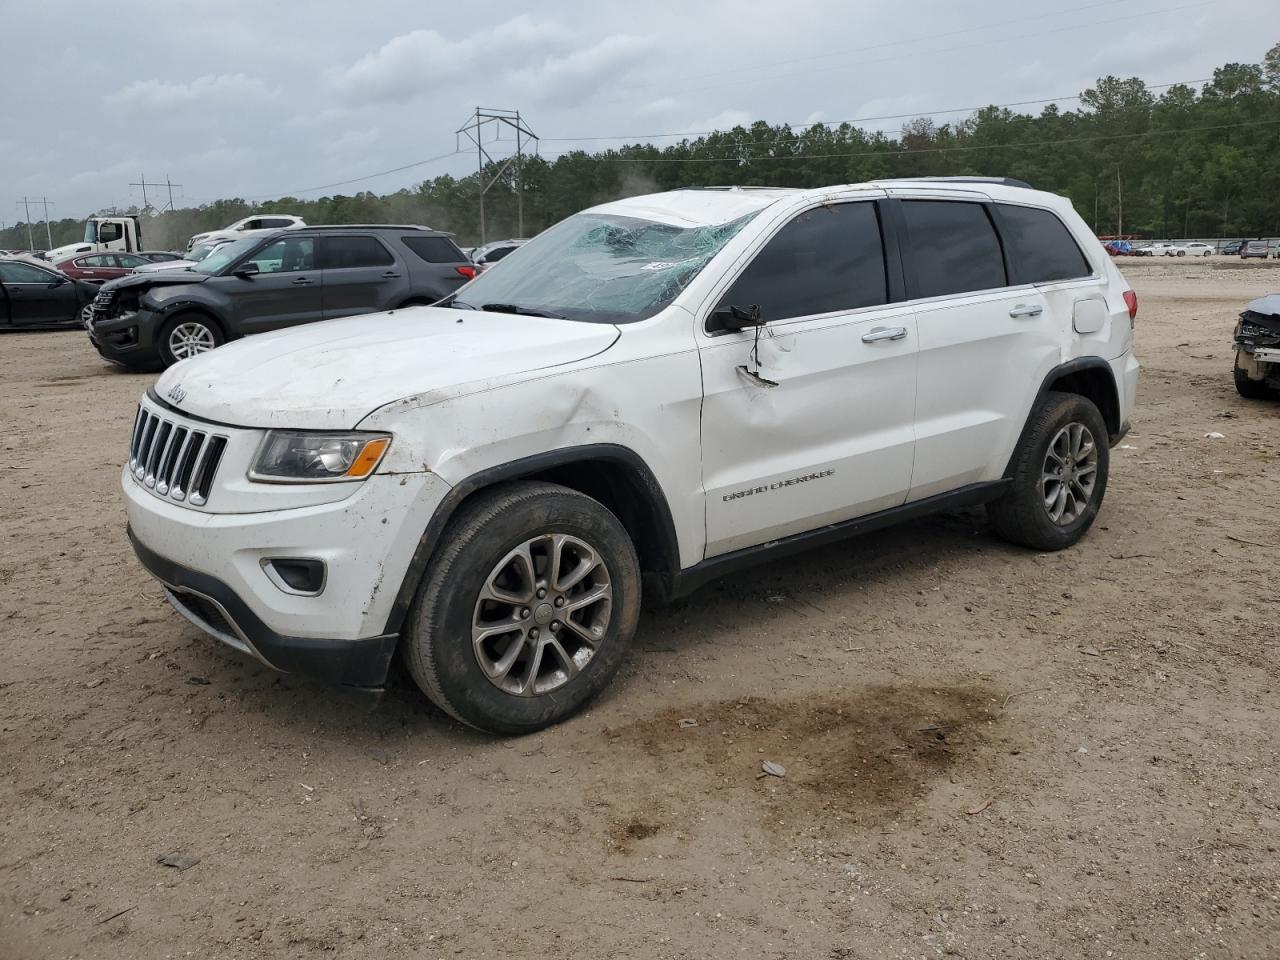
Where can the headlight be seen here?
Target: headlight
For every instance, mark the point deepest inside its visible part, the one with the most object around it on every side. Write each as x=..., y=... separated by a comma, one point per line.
x=287, y=456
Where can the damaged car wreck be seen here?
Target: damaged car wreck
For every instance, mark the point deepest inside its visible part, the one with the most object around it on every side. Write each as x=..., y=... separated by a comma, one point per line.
x=1257, y=344
x=653, y=393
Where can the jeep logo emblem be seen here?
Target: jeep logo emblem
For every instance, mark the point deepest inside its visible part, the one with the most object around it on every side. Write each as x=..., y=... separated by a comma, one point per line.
x=176, y=393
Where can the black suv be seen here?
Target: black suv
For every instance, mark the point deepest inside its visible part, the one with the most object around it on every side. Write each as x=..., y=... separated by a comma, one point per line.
x=270, y=281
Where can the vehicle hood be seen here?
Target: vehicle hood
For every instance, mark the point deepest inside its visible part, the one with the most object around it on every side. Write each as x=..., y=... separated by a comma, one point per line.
x=67, y=250
x=164, y=265
x=156, y=278
x=332, y=375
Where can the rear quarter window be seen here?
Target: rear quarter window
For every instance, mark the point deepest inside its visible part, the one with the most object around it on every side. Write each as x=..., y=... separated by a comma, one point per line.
x=1041, y=248
x=434, y=249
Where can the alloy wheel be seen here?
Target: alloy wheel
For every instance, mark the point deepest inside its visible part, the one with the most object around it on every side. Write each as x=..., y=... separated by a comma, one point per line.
x=542, y=614
x=1070, y=474
x=189, y=339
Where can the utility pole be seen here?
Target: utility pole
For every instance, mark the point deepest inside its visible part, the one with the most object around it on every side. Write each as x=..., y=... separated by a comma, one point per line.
x=47, y=232
x=1119, y=204
x=31, y=243
x=474, y=129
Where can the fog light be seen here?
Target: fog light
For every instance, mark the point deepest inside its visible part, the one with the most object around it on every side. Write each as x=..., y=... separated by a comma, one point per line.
x=301, y=577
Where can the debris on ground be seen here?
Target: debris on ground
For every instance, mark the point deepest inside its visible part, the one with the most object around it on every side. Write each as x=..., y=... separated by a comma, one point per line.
x=686, y=722
x=179, y=860
x=1215, y=435
x=974, y=811
x=770, y=769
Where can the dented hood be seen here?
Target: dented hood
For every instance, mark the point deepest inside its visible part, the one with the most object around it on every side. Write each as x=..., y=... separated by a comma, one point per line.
x=331, y=375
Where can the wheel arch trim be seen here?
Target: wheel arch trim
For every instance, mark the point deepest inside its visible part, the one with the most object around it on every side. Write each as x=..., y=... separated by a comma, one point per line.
x=1092, y=365
x=617, y=455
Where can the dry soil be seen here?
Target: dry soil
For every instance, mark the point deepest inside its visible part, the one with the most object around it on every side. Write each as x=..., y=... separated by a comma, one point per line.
x=989, y=752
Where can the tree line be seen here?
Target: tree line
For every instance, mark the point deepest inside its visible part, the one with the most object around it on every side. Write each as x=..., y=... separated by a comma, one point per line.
x=1183, y=163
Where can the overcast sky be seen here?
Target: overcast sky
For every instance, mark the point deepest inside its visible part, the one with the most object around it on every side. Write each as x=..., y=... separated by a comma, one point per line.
x=259, y=100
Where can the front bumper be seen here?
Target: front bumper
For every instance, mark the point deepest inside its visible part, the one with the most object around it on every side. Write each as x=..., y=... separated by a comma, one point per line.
x=212, y=564
x=130, y=338
x=215, y=608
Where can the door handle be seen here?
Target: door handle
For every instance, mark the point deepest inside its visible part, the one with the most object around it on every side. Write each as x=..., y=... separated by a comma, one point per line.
x=302, y=282
x=1026, y=310
x=391, y=275
x=884, y=333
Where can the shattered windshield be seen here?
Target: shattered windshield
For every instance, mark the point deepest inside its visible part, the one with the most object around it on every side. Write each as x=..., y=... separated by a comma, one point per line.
x=599, y=267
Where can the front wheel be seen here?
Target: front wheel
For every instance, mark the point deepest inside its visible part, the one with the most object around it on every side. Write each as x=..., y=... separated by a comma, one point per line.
x=188, y=335
x=1059, y=473
x=1251, y=389
x=527, y=611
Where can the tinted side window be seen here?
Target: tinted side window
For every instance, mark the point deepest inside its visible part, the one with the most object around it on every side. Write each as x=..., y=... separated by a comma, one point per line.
x=285, y=256
x=493, y=256
x=434, y=249
x=338, y=253
x=826, y=259
x=954, y=247
x=1041, y=247
x=273, y=222
x=24, y=273
x=110, y=232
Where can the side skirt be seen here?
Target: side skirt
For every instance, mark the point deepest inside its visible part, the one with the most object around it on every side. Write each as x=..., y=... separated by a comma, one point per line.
x=686, y=581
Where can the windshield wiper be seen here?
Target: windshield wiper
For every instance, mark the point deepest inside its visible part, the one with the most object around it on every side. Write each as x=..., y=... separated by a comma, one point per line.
x=453, y=301
x=516, y=308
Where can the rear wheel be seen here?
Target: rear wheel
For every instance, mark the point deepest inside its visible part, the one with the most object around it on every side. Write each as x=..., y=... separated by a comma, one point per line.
x=527, y=611
x=188, y=335
x=1059, y=475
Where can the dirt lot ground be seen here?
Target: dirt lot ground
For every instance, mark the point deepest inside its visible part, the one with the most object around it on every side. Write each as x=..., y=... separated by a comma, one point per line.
x=989, y=752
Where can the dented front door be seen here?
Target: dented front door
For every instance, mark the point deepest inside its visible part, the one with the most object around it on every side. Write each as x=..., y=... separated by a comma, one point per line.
x=812, y=423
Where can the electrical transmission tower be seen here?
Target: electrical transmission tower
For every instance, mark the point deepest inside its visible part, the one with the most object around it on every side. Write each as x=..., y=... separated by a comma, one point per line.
x=474, y=130
x=167, y=183
x=25, y=203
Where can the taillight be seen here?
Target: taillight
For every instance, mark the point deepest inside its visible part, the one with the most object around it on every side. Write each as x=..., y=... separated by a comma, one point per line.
x=470, y=272
x=1131, y=301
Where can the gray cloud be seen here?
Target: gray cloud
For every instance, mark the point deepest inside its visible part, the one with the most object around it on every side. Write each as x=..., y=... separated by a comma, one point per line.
x=241, y=98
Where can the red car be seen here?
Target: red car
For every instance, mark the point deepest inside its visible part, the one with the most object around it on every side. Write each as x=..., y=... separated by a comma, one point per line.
x=100, y=267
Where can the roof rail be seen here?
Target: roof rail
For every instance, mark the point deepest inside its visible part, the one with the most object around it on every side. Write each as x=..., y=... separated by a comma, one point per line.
x=359, y=226
x=1003, y=181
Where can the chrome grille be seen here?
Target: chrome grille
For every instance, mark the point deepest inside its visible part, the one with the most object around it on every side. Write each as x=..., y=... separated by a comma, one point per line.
x=174, y=460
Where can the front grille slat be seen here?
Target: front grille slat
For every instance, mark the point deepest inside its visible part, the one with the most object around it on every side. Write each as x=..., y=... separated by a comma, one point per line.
x=144, y=448
x=177, y=440
x=172, y=459
x=139, y=423
x=182, y=478
x=159, y=444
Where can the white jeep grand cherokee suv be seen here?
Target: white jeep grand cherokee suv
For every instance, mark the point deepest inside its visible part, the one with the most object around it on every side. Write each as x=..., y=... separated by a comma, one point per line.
x=657, y=390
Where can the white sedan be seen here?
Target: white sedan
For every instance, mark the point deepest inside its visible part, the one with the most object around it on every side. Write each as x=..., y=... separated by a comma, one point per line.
x=1193, y=249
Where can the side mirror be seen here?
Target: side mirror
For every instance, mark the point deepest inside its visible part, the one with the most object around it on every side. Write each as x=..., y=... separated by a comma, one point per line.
x=247, y=269
x=735, y=318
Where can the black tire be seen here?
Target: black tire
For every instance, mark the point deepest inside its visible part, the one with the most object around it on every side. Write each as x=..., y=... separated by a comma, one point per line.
x=437, y=645
x=1021, y=515
x=1251, y=389
x=184, y=320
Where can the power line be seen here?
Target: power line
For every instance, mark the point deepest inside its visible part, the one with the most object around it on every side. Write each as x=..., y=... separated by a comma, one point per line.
x=855, y=120
x=343, y=183
x=892, y=153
